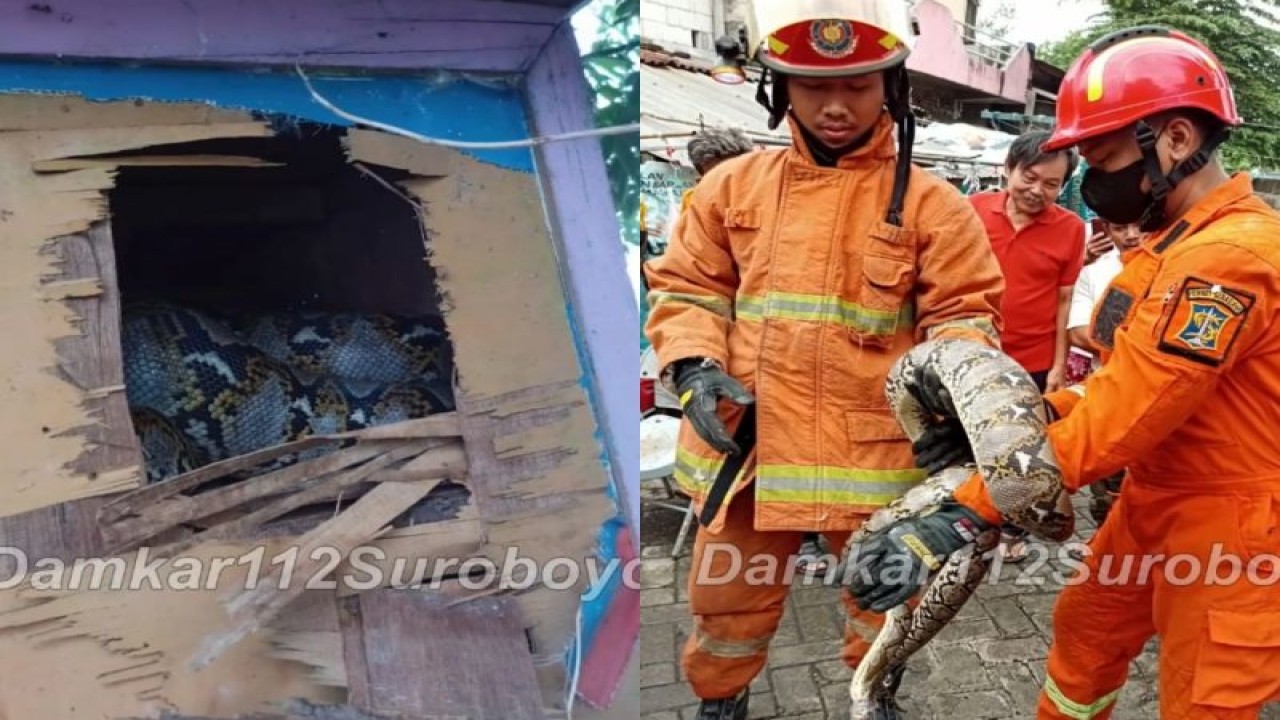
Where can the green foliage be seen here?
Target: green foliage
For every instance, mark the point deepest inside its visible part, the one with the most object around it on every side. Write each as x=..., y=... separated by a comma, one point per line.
x=1244, y=36
x=612, y=65
x=996, y=19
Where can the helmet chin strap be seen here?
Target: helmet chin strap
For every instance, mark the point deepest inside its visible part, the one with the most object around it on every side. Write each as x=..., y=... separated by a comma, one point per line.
x=778, y=104
x=897, y=91
x=1154, y=217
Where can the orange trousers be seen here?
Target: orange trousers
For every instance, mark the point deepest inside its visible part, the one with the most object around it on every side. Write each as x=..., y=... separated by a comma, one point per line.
x=1219, y=631
x=737, y=605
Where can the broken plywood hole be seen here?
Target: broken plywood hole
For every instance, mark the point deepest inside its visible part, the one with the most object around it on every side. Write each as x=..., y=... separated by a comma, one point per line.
x=196, y=227
x=336, y=480
x=293, y=275
x=276, y=241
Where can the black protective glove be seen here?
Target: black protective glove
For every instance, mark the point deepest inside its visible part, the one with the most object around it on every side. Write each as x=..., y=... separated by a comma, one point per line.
x=932, y=394
x=893, y=564
x=1105, y=492
x=942, y=445
x=700, y=385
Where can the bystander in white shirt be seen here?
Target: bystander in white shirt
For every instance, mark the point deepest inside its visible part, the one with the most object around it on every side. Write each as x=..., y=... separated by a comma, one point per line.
x=1092, y=283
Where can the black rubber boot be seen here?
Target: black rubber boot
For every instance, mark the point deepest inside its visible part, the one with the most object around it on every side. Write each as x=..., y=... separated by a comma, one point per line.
x=887, y=707
x=734, y=708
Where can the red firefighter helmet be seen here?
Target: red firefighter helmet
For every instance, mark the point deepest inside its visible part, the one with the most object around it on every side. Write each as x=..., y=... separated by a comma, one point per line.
x=831, y=37
x=1133, y=74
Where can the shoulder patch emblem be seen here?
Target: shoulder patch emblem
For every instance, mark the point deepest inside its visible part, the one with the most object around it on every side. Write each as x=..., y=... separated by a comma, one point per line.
x=1205, y=321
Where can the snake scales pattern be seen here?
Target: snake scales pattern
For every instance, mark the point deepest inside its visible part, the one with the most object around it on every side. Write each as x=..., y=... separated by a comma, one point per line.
x=203, y=388
x=1003, y=415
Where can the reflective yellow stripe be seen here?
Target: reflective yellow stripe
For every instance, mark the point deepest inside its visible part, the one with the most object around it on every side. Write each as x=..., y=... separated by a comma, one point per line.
x=732, y=648
x=811, y=484
x=695, y=473
x=1094, y=86
x=714, y=303
x=921, y=550
x=861, y=628
x=803, y=484
x=981, y=324
x=1072, y=709
x=823, y=308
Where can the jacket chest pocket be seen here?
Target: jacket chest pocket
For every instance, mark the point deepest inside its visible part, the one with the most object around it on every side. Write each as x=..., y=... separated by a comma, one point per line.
x=741, y=225
x=880, y=286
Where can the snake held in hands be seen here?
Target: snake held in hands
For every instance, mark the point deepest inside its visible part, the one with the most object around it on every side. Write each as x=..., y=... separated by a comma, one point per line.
x=1003, y=415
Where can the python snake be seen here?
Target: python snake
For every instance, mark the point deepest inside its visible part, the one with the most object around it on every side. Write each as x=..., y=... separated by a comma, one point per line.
x=1003, y=415
x=203, y=388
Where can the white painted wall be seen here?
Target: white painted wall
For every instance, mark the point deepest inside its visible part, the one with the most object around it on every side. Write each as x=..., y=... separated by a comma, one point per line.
x=672, y=23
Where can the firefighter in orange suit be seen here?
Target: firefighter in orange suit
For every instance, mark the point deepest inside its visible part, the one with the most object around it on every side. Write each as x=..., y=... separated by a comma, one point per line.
x=1188, y=400
x=792, y=282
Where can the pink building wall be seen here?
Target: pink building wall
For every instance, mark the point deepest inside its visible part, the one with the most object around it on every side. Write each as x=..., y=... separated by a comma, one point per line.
x=940, y=52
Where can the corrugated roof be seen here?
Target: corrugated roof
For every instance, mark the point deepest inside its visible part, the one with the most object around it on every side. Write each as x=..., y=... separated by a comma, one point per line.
x=678, y=98
x=676, y=103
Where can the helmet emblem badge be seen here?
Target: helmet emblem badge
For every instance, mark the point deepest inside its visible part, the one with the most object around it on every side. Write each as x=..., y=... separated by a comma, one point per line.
x=833, y=38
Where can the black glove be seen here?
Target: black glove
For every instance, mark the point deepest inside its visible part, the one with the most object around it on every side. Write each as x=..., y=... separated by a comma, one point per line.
x=891, y=565
x=932, y=394
x=700, y=385
x=1104, y=493
x=942, y=445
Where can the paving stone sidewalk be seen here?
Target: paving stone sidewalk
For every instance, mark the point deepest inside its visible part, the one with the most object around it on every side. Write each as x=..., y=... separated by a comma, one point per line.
x=987, y=664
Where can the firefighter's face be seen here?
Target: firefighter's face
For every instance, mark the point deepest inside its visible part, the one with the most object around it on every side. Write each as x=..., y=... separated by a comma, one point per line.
x=838, y=110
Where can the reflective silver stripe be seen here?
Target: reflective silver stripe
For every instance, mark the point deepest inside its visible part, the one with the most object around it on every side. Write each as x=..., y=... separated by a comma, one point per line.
x=732, y=648
x=714, y=303
x=822, y=308
x=1071, y=708
x=696, y=472
x=801, y=484
x=863, y=630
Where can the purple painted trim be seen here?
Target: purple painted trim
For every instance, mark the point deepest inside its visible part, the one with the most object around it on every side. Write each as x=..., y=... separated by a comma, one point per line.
x=476, y=35
x=593, y=262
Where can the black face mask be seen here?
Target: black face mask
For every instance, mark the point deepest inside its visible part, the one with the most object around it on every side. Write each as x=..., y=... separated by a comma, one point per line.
x=1118, y=196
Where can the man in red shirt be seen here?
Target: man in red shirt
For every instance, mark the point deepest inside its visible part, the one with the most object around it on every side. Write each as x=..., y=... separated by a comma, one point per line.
x=1040, y=247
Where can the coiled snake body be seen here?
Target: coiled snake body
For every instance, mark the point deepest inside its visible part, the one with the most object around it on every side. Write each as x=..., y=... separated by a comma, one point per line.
x=1003, y=415
x=203, y=389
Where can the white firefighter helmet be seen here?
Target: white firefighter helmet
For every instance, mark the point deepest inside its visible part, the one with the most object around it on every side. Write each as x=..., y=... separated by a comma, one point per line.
x=830, y=37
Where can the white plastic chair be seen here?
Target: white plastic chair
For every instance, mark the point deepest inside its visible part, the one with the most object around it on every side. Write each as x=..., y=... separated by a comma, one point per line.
x=658, y=434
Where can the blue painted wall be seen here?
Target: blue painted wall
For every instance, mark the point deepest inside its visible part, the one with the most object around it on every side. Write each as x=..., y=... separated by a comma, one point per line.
x=453, y=110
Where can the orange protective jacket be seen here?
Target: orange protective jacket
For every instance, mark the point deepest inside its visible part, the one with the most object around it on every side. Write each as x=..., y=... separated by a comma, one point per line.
x=1189, y=393
x=786, y=274
x=1189, y=401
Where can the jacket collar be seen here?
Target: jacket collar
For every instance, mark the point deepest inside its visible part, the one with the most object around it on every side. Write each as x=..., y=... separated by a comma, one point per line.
x=1238, y=188
x=880, y=146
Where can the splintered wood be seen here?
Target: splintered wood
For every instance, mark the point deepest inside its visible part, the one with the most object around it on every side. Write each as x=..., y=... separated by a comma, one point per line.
x=521, y=451
x=474, y=662
x=411, y=451
x=68, y=435
x=251, y=608
x=402, y=462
